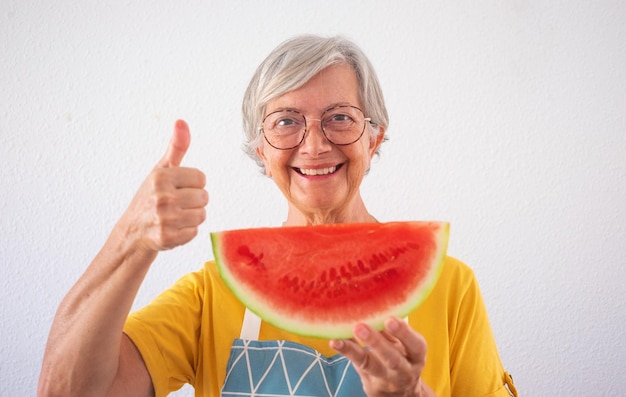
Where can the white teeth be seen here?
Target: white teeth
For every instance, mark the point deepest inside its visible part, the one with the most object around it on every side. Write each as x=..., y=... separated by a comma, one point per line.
x=318, y=171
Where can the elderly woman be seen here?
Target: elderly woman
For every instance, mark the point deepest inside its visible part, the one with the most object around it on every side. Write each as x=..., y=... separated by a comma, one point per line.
x=314, y=117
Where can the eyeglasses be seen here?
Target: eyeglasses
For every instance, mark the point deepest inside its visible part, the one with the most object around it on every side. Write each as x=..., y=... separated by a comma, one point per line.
x=285, y=129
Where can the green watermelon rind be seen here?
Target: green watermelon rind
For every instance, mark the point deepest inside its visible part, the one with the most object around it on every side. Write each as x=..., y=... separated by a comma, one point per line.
x=333, y=330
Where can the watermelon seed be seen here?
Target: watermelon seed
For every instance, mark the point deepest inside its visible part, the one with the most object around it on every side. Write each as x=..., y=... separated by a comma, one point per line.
x=390, y=273
x=362, y=267
x=345, y=274
x=413, y=245
x=243, y=250
x=375, y=261
x=290, y=283
x=353, y=269
x=254, y=260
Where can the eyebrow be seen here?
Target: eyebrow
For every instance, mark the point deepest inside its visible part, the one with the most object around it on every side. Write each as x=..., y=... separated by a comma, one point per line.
x=293, y=109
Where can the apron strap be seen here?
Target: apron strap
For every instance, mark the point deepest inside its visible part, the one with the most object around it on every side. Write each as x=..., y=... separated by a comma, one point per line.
x=251, y=326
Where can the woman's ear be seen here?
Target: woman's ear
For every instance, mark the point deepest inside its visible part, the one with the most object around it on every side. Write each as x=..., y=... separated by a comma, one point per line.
x=376, y=140
x=261, y=154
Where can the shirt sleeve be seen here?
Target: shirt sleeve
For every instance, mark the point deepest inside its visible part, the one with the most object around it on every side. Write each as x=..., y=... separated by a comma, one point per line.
x=166, y=332
x=474, y=357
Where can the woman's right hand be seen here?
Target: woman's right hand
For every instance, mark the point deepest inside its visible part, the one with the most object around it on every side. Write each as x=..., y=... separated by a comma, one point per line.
x=169, y=206
x=87, y=353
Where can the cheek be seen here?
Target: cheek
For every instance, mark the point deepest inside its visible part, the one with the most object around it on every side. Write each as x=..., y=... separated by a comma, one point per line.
x=276, y=163
x=368, y=151
x=360, y=162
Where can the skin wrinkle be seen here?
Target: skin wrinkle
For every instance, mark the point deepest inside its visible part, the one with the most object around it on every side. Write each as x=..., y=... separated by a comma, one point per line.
x=331, y=198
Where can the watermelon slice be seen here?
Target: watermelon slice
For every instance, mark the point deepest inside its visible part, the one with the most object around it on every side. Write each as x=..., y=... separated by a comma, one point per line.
x=322, y=280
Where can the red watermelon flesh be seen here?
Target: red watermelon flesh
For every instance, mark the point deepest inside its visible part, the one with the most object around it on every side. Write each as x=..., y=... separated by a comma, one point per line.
x=322, y=280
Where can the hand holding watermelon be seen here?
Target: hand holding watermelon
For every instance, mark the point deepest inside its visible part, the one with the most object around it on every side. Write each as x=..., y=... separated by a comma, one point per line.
x=395, y=356
x=169, y=206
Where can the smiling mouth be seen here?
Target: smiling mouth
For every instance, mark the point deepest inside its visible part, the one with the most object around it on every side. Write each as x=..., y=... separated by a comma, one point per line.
x=317, y=171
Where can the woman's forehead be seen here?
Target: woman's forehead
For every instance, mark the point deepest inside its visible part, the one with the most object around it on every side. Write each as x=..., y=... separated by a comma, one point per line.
x=335, y=85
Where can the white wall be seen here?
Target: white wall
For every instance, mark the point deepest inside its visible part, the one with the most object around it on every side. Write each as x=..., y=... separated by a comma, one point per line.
x=507, y=119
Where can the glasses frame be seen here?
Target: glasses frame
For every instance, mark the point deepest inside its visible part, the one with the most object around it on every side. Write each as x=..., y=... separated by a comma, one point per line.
x=306, y=125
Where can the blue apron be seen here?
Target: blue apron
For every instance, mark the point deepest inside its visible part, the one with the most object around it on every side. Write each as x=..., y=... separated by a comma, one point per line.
x=277, y=368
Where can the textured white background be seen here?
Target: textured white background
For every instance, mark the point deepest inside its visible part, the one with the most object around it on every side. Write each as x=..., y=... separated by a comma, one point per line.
x=507, y=119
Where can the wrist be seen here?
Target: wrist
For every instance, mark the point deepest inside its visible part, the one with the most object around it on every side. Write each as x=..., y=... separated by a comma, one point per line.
x=131, y=237
x=423, y=390
x=126, y=241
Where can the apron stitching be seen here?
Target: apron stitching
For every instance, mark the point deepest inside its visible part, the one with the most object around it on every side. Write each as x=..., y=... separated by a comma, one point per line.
x=307, y=371
x=246, y=343
x=235, y=361
x=281, y=345
x=267, y=371
x=343, y=376
x=319, y=363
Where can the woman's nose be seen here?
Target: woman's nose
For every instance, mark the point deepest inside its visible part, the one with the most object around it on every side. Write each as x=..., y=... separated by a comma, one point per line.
x=315, y=142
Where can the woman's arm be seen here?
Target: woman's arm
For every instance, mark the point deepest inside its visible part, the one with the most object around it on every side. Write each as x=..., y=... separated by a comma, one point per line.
x=87, y=354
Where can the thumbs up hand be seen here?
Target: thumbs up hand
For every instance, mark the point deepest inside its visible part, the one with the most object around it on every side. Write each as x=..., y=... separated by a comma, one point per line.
x=169, y=206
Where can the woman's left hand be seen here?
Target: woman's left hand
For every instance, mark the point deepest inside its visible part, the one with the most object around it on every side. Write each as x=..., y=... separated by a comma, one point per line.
x=389, y=362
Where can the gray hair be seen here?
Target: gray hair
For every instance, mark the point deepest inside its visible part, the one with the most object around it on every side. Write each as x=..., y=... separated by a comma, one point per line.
x=291, y=65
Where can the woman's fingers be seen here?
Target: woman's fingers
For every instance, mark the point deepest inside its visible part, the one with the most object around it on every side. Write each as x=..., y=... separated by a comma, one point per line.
x=413, y=343
x=389, y=362
x=384, y=354
x=177, y=147
x=169, y=206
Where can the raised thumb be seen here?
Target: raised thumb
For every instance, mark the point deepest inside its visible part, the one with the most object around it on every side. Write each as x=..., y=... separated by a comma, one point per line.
x=179, y=143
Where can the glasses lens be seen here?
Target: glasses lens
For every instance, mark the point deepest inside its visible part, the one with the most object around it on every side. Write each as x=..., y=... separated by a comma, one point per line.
x=284, y=129
x=343, y=125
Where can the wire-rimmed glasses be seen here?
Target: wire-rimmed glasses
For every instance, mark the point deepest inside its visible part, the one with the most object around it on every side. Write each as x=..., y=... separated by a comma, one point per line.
x=285, y=129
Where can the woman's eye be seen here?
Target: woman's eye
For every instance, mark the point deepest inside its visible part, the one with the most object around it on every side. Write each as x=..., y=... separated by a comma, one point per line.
x=339, y=118
x=289, y=121
x=285, y=122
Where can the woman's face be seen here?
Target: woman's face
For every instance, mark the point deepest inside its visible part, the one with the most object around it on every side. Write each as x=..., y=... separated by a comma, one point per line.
x=319, y=179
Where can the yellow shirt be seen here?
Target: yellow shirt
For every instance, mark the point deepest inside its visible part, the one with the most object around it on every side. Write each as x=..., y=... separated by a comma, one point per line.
x=186, y=333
